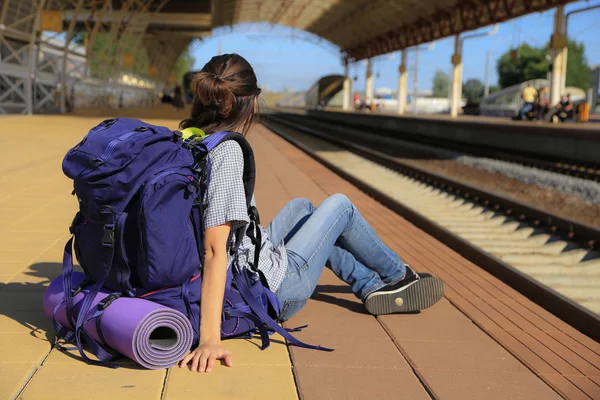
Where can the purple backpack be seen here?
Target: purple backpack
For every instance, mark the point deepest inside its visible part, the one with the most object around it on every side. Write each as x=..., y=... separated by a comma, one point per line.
x=139, y=230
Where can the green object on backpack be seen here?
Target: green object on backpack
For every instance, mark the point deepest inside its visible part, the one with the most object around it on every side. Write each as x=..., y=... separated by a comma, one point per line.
x=193, y=131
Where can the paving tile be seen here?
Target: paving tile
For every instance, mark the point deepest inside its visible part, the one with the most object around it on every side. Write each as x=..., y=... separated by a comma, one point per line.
x=36, y=277
x=7, y=267
x=16, y=256
x=587, y=385
x=586, y=366
x=34, y=242
x=527, y=356
x=477, y=355
x=92, y=382
x=350, y=352
x=55, y=253
x=25, y=322
x=248, y=352
x=4, y=278
x=478, y=385
x=20, y=348
x=14, y=377
x=70, y=355
x=440, y=323
x=330, y=383
x=25, y=282
x=10, y=215
x=10, y=301
x=565, y=387
x=348, y=316
x=238, y=382
x=546, y=353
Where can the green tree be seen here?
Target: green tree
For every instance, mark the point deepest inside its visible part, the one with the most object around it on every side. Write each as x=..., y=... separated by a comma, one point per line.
x=473, y=89
x=530, y=63
x=100, y=54
x=579, y=73
x=534, y=63
x=184, y=64
x=441, y=84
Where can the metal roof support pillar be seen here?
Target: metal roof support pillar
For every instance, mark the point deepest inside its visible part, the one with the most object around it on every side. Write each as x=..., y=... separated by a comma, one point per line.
x=347, y=89
x=402, y=84
x=457, y=67
x=33, y=56
x=369, y=81
x=558, y=44
x=63, y=72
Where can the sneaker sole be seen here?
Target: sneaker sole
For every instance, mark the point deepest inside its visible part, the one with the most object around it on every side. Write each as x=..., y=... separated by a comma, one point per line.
x=419, y=295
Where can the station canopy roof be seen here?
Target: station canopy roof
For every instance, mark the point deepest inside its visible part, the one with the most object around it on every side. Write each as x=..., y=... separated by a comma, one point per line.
x=367, y=28
x=360, y=28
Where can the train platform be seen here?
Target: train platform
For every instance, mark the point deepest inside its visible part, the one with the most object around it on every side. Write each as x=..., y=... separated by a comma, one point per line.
x=484, y=340
x=593, y=124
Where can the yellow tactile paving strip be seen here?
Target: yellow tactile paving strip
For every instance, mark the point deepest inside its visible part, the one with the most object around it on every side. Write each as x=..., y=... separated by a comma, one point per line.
x=35, y=211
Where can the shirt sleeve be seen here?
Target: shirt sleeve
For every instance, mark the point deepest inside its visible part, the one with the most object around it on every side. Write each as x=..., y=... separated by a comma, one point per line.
x=225, y=197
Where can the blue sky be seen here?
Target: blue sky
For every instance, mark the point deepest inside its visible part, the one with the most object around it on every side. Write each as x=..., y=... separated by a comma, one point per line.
x=282, y=61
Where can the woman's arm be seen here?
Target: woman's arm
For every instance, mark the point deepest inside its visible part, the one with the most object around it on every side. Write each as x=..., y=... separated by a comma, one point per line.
x=211, y=304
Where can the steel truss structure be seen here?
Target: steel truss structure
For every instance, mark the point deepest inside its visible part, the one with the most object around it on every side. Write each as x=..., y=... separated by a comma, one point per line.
x=368, y=28
x=19, y=35
x=93, y=39
x=149, y=35
x=463, y=16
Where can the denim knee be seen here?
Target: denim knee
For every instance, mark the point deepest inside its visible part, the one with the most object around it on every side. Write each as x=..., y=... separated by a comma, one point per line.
x=340, y=199
x=300, y=202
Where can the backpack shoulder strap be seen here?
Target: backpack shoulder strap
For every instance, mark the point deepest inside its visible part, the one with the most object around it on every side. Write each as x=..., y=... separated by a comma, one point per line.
x=249, y=176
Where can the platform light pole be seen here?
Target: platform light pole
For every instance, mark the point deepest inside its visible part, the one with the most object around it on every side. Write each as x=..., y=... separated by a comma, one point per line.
x=369, y=81
x=558, y=44
x=486, y=88
x=565, y=50
x=457, y=68
x=347, y=87
x=402, y=83
x=430, y=47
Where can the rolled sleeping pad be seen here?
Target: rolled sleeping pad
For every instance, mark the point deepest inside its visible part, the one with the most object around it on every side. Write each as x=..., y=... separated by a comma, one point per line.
x=152, y=335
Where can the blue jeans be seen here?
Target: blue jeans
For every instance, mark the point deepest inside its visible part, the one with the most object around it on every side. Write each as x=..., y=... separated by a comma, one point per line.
x=525, y=109
x=335, y=234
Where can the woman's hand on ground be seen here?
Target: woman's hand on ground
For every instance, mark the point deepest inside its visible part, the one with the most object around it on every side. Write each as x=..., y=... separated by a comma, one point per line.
x=204, y=357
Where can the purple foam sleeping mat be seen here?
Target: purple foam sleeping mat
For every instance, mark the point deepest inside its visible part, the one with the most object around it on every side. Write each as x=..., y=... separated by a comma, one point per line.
x=152, y=335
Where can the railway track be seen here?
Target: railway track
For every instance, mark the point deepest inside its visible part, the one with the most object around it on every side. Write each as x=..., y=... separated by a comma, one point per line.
x=553, y=261
x=583, y=170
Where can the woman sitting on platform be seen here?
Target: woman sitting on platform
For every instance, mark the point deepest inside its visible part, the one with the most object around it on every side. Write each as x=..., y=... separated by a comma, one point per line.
x=302, y=238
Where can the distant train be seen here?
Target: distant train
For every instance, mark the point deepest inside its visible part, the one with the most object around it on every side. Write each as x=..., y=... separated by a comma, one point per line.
x=507, y=102
x=326, y=92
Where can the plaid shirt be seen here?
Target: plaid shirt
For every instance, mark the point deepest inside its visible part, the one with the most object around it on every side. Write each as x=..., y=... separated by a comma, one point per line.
x=226, y=202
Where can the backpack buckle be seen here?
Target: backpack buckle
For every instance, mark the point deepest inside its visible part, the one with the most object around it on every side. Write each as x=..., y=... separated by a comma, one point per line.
x=77, y=289
x=108, y=236
x=107, y=301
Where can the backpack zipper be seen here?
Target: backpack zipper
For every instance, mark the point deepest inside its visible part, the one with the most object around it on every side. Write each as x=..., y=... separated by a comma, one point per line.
x=111, y=146
x=163, y=174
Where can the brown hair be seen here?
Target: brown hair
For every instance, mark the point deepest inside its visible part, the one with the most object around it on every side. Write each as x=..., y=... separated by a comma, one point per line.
x=224, y=95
